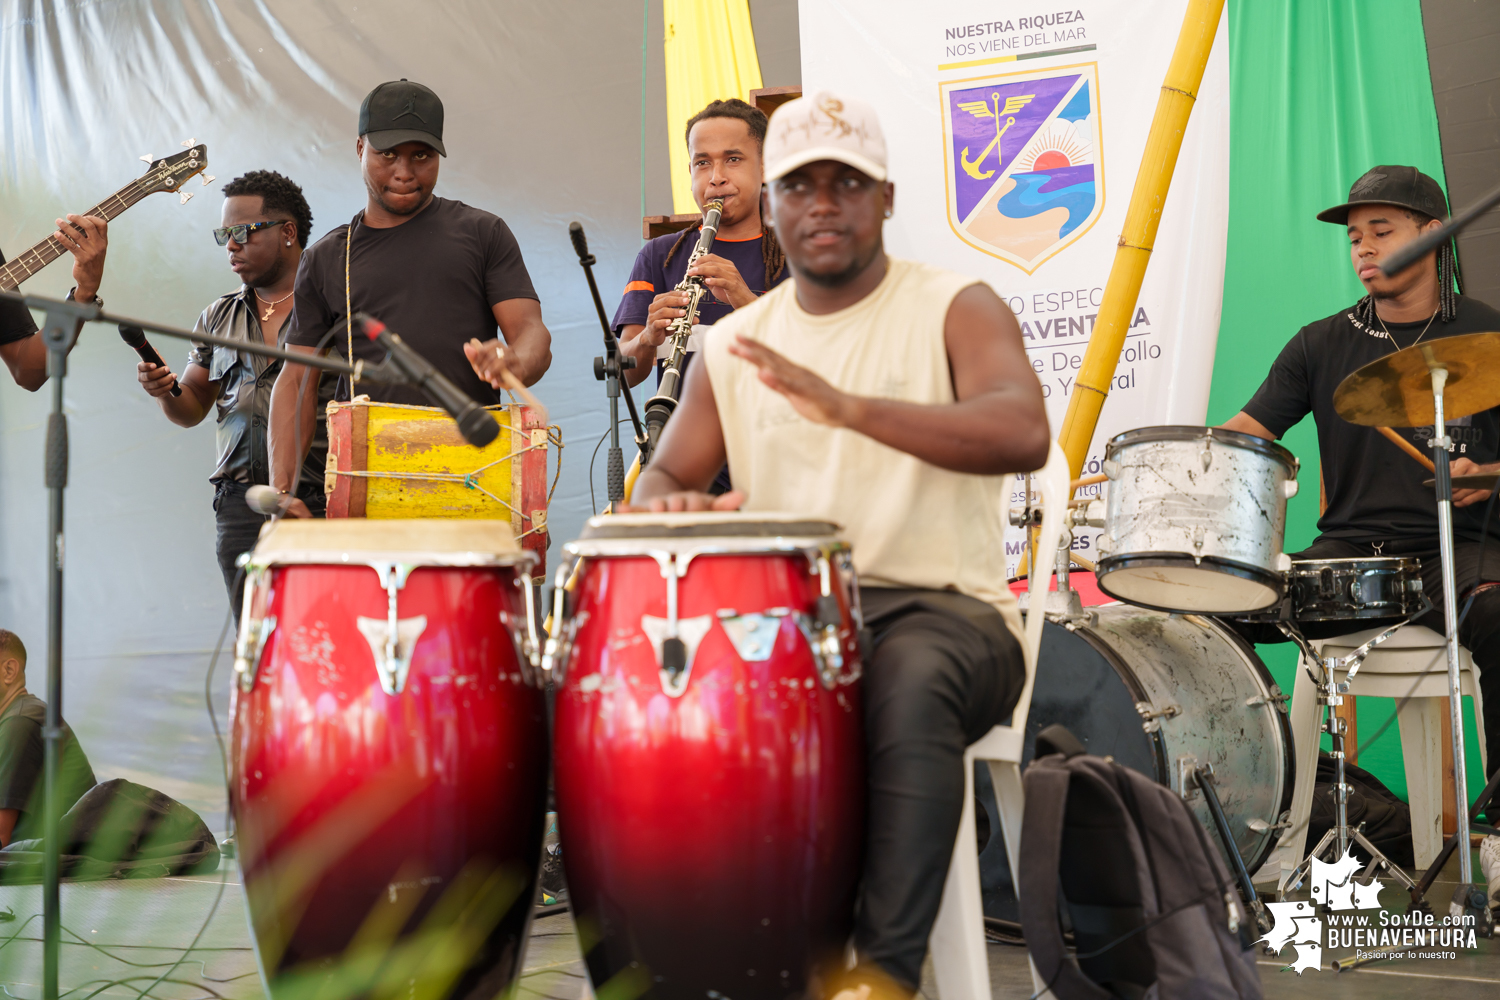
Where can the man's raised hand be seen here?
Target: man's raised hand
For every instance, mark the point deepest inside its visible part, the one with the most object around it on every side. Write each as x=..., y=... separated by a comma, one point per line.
x=88, y=248
x=809, y=394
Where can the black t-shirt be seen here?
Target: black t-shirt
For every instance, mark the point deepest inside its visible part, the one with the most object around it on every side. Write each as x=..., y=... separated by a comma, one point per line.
x=15, y=319
x=433, y=280
x=1374, y=491
x=21, y=762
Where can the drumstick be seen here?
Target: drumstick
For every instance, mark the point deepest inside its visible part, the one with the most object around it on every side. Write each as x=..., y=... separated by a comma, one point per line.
x=1409, y=448
x=517, y=386
x=1087, y=481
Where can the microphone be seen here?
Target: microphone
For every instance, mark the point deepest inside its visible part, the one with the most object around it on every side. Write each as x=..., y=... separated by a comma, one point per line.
x=1428, y=242
x=264, y=500
x=475, y=423
x=580, y=244
x=136, y=338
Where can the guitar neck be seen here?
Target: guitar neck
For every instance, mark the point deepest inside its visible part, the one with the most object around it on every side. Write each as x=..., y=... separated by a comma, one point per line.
x=29, y=262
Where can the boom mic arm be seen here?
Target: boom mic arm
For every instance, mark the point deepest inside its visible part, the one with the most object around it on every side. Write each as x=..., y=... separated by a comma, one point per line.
x=477, y=425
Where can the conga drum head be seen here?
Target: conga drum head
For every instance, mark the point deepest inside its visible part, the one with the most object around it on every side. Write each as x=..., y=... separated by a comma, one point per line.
x=708, y=524
x=421, y=542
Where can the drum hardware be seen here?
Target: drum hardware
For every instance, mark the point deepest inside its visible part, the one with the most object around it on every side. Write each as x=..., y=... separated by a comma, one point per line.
x=1335, y=843
x=1443, y=379
x=1064, y=605
x=1261, y=826
x=393, y=638
x=1151, y=716
x=1202, y=776
x=524, y=637
x=247, y=651
x=752, y=636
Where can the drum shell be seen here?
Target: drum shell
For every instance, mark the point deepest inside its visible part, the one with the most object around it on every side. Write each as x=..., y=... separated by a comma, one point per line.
x=1091, y=677
x=713, y=840
x=356, y=809
x=1195, y=497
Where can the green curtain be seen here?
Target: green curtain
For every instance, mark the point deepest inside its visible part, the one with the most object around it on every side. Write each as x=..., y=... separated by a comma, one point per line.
x=1320, y=91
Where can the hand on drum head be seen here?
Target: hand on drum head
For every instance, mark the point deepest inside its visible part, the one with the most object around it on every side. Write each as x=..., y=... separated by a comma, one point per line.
x=688, y=500
x=1464, y=467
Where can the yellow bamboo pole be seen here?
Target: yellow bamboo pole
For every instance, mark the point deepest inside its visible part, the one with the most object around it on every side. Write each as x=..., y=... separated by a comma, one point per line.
x=1179, y=91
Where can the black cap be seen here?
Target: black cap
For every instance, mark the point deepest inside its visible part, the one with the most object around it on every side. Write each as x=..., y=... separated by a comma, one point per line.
x=401, y=111
x=1406, y=187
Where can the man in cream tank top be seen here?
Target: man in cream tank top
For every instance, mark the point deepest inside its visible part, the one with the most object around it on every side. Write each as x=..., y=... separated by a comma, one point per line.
x=893, y=398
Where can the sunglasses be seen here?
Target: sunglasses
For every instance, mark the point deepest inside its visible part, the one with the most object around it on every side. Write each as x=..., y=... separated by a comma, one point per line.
x=240, y=234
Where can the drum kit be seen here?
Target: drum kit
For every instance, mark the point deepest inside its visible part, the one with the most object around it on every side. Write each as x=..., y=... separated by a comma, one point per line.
x=707, y=744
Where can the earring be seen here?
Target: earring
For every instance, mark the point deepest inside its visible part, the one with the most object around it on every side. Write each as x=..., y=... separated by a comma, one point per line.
x=887, y=215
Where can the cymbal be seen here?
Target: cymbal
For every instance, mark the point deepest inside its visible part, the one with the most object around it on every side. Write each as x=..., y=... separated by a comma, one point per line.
x=1396, y=390
x=1478, y=481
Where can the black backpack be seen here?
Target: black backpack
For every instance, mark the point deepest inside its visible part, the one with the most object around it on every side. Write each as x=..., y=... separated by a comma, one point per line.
x=1125, y=862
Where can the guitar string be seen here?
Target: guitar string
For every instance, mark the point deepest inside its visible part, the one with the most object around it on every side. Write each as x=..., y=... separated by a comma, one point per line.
x=39, y=262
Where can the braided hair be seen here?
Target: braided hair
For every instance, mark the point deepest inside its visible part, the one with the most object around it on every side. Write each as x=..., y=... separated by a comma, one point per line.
x=1450, y=281
x=755, y=120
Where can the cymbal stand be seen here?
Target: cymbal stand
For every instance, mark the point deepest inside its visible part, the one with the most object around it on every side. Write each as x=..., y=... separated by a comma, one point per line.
x=1441, y=445
x=1331, y=693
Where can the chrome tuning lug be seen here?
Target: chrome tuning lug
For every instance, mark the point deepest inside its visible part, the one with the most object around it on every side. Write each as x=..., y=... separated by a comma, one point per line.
x=184, y=197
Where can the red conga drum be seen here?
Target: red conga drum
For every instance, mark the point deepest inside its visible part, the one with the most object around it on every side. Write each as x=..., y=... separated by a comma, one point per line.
x=709, y=752
x=389, y=757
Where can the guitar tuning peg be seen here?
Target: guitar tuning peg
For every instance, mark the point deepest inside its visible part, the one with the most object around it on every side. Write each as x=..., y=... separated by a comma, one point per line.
x=185, y=197
x=148, y=158
x=189, y=143
x=208, y=179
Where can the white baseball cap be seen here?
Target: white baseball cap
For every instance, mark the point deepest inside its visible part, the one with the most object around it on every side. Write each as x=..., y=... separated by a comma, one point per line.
x=825, y=126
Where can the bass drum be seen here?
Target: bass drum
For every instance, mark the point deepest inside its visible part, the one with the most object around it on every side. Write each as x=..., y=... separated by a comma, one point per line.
x=1160, y=693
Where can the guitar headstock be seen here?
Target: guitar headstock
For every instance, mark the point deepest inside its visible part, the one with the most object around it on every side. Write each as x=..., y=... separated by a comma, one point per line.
x=171, y=173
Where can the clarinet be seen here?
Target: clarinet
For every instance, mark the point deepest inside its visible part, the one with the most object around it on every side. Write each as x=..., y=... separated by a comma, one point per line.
x=660, y=406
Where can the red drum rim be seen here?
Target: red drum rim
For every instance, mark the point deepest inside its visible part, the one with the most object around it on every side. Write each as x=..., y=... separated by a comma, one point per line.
x=1275, y=582
x=1186, y=432
x=457, y=542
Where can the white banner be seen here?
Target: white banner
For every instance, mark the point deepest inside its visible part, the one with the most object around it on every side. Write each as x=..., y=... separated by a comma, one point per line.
x=1015, y=133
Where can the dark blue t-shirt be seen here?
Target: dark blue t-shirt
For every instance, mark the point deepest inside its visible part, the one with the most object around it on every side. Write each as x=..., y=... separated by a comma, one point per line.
x=652, y=275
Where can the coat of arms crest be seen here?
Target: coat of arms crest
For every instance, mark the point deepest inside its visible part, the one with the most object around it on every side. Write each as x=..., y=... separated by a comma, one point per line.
x=1024, y=173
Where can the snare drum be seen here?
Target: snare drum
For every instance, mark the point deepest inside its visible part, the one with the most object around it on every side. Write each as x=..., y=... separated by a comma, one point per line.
x=389, y=767
x=1195, y=519
x=710, y=799
x=1328, y=597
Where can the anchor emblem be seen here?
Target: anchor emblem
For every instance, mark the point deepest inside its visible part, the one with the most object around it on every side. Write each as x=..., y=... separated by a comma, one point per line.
x=980, y=109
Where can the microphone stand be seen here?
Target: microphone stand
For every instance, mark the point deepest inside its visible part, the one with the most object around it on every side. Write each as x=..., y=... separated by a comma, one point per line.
x=608, y=369
x=1428, y=242
x=64, y=321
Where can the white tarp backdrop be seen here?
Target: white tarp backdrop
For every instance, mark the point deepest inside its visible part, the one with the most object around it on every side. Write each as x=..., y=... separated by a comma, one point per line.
x=1015, y=132
x=543, y=125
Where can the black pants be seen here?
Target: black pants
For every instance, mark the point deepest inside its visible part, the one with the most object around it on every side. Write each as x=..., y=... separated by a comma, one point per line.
x=1479, y=633
x=944, y=671
x=238, y=527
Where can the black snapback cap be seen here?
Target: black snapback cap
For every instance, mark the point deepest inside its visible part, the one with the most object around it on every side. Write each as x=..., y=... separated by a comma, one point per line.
x=1405, y=187
x=402, y=111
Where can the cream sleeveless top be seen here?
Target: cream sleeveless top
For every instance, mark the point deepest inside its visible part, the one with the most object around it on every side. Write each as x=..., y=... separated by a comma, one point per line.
x=911, y=524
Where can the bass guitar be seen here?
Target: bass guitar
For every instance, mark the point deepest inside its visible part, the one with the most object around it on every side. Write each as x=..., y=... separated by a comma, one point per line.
x=166, y=174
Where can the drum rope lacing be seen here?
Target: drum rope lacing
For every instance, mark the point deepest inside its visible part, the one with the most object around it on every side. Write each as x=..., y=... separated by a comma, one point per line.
x=471, y=479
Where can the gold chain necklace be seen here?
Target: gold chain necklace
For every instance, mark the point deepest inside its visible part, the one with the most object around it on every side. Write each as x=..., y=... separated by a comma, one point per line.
x=1419, y=336
x=271, y=306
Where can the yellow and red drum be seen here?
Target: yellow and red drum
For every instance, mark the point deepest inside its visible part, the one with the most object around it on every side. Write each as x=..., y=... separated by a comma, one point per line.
x=389, y=767
x=389, y=460
x=709, y=751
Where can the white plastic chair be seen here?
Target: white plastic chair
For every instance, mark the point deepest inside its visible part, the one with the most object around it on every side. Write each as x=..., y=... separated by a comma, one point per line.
x=1409, y=665
x=959, y=955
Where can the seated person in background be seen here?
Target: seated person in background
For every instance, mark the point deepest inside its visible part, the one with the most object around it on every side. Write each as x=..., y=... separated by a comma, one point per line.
x=22, y=717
